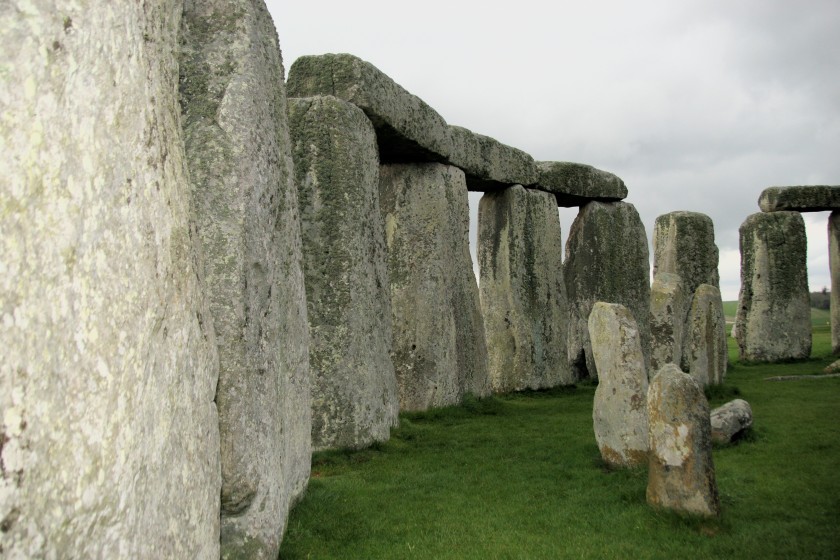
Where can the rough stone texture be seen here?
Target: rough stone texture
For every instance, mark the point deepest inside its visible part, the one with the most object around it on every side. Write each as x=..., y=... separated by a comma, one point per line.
x=489, y=164
x=730, y=420
x=109, y=441
x=354, y=388
x=681, y=474
x=606, y=260
x=669, y=305
x=575, y=184
x=619, y=414
x=706, y=354
x=684, y=244
x=523, y=297
x=816, y=198
x=245, y=204
x=774, y=315
x=834, y=265
x=439, y=347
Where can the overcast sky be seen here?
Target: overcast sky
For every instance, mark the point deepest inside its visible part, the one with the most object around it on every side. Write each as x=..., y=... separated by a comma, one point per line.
x=697, y=104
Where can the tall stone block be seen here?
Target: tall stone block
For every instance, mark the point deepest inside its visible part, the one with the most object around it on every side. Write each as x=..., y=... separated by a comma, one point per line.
x=523, y=297
x=354, y=389
x=774, y=316
x=669, y=305
x=108, y=427
x=706, y=353
x=834, y=264
x=606, y=260
x=439, y=348
x=684, y=244
x=245, y=205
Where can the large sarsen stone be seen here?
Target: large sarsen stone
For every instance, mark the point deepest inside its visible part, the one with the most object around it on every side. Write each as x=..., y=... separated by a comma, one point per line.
x=812, y=198
x=684, y=244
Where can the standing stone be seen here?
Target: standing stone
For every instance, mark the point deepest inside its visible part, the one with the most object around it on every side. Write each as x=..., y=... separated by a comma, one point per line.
x=684, y=244
x=730, y=420
x=523, y=297
x=669, y=305
x=706, y=352
x=245, y=205
x=354, y=389
x=439, y=348
x=619, y=414
x=834, y=265
x=681, y=474
x=606, y=260
x=109, y=441
x=774, y=315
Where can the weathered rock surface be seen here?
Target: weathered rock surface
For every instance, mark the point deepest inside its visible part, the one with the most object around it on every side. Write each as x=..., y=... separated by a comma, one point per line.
x=575, y=184
x=833, y=367
x=834, y=265
x=109, y=441
x=354, y=389
x=730, y=420
x=814, y=198
x=669, y=305
x=606, y=260
x=774, y=315
x=681, y=473
x=489, y=164
x=439, y=348
x=684, y=244
x=245, y=207
x=523, y=297
x=706, y=353
x=619, y=413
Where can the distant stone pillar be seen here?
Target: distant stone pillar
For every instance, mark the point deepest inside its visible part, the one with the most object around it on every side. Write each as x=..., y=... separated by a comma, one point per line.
x=774, y=319
x=439, y=348
x=834, y=264
x=354, y=389
x=669, y=305
x=523, y=297
x=684, y=244
x=706, y=351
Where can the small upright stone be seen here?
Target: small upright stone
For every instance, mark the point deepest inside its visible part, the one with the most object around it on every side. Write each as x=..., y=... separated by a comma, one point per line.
x=834, y=265
x=619, y=415
x=730, y=420
x=684, y=244
x=669, y=306
x=681, y=473
x=811, y=198
x=706, y=352
x=575, y=184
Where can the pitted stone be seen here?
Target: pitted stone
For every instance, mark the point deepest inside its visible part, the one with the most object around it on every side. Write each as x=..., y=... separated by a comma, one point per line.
x=684, y=244
x=439, y=352
x=813, y=198
x=669, y=305
x=774, y=314
x=245, y=207
x=706, y=353
x=575, y=184
x=489, y=164
x=606, y=260
x=730, y=420
x=354, y=388
x=523, y=297
x=681, y=473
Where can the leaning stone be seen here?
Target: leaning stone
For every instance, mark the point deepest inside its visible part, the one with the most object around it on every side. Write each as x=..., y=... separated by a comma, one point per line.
x=109, y=436
x=245, y=207
x=834, y=265
x=816, y=198
x=684, y=244
x=669, y=305
x=489, y=164
x=439, y=351
x=730, y=420
x=681, y=473
x=523, y=297
x=774, y=314
x=606, y=260
x=619, y=413
x=354, y=389
x=706, y=351
x=575, y=184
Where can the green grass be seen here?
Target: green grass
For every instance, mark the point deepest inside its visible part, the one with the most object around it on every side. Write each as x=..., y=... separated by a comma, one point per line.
x=519, y=476
x=819, y=317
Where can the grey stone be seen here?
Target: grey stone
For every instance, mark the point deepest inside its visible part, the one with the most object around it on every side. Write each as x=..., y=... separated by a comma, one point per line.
x=834, y=265
x=109, y=430
x=669, y=305
x=681, y=473
x=523, y=297
x=619, y=414
x=489, y=164
x=439, y=350
x=814, y=198
x=354, y=388
x=774, y=315
x=706, y=353
x=575, y=184
x=606, y=260
x=245, y=206
x=730, y=420
x=684, y=244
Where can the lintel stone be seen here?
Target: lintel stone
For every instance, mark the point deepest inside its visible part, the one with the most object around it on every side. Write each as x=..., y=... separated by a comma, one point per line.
x=814, y=198
x=575, y=184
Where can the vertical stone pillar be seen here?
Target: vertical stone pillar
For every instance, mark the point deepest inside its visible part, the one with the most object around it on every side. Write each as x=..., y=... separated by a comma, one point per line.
x=684, y=244
x=834, y=264
x=439, y=347
x=706, y=351
x=669, y=305
x=245, y=205
x=523, y=297
x=354, y=389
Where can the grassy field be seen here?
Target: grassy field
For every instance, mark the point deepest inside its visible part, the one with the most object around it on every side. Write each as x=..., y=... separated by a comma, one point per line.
x=519, y=476
x=819, y=317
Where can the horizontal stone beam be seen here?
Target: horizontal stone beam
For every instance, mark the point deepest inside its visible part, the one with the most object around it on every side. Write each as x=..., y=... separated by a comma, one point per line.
x=814, y=198
x=575, y=184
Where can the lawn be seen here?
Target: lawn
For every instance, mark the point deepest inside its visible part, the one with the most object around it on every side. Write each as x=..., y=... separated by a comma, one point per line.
x=519, y=476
